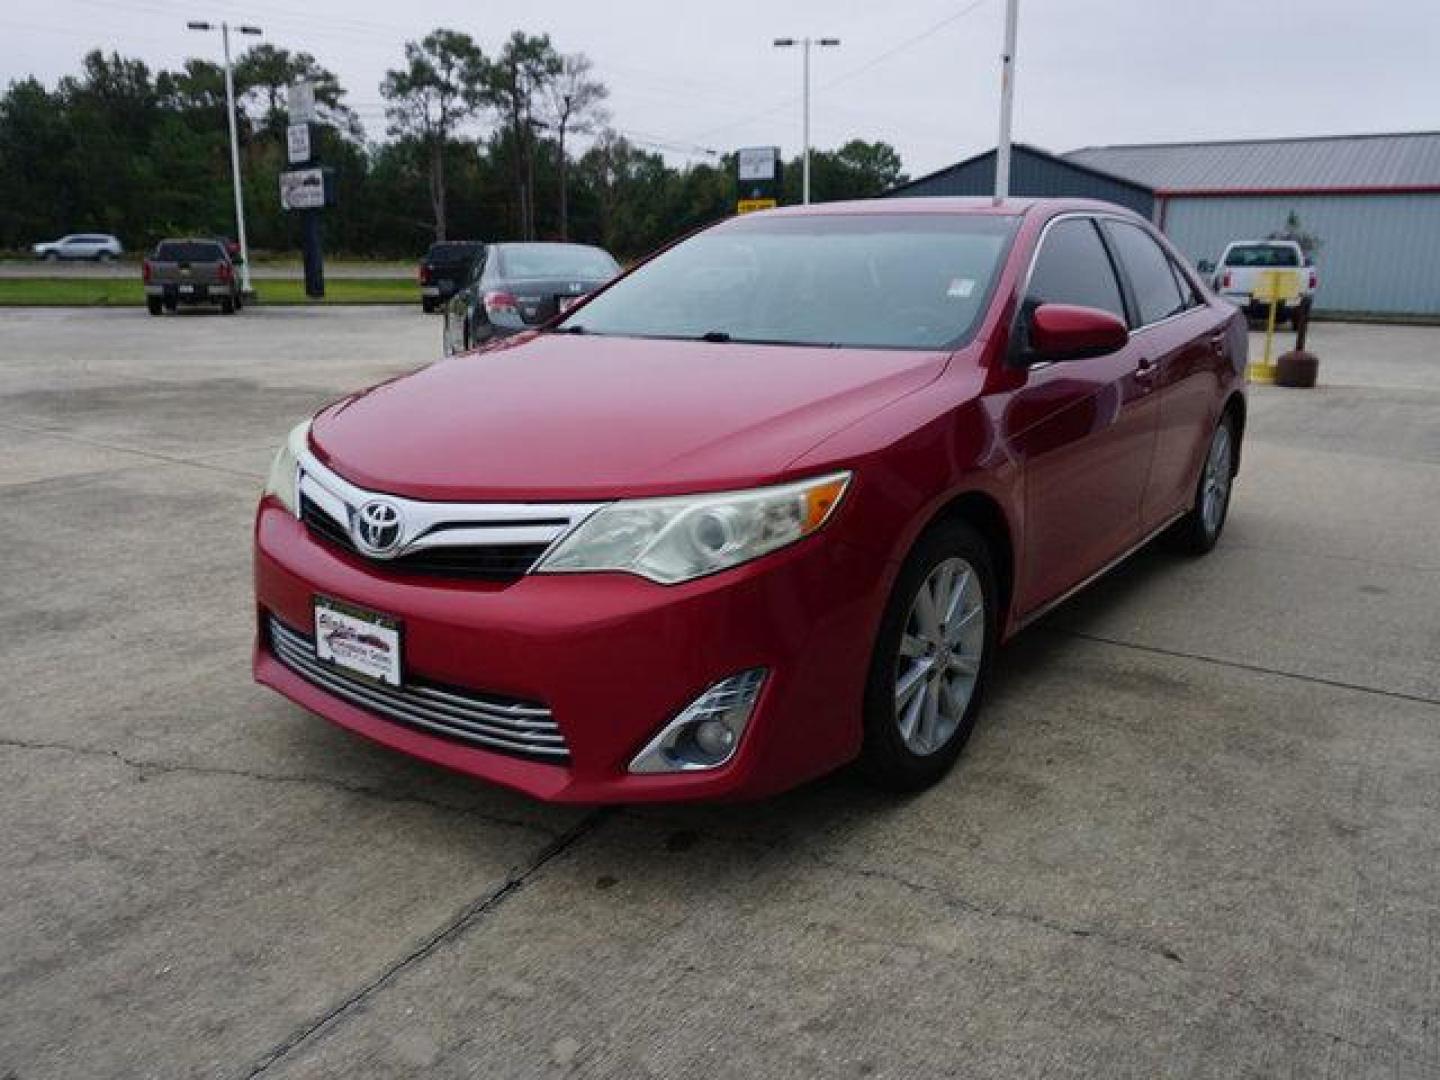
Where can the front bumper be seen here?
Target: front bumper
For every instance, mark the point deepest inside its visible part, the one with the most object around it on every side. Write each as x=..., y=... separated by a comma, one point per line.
x=613, y=656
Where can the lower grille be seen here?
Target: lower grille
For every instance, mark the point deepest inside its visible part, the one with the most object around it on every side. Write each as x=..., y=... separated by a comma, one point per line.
x=523, y=728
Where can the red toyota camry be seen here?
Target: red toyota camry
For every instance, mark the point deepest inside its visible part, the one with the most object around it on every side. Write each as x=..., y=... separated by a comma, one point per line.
x=766, y=504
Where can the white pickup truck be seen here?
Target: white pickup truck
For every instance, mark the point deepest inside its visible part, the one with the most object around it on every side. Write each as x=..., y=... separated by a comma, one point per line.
x=1243, y=262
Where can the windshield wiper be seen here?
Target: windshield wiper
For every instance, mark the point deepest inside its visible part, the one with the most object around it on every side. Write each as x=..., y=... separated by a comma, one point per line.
x=724, y=337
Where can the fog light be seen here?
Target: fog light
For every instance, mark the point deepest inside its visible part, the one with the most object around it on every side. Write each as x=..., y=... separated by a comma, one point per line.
x=706, y=733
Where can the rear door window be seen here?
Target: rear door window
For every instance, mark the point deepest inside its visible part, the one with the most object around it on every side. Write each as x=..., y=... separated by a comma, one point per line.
x=188, y=251
x=1263, y=255
x=1074, y=268
x=1152, y=278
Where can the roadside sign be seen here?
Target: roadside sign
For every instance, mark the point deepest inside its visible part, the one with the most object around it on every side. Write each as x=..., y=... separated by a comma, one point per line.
x=758, y=163
x=1272, y=288
x=302, y=189
x=1281, y=285
x=297, y=142
x=300, y=101
x=749, y=206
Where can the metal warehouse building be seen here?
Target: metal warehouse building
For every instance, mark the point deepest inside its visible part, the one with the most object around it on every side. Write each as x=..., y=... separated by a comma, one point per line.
x=1373, y=201
x=1032, y=172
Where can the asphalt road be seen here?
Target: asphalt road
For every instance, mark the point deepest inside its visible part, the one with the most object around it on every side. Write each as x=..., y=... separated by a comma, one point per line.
x=1197, y=833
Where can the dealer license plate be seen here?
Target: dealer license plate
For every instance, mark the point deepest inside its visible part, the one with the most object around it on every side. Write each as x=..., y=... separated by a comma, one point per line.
x=364, y=642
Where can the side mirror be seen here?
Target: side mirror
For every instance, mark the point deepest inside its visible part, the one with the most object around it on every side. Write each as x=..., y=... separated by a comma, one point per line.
x=1205, y=266
x=1069, y=332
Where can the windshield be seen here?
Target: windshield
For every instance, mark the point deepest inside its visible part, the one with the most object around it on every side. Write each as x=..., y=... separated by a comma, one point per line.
x=520, y=262
x=1262, y=255
x=879, y=280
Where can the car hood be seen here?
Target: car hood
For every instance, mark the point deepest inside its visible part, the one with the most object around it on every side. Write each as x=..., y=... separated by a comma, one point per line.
x=569, y=417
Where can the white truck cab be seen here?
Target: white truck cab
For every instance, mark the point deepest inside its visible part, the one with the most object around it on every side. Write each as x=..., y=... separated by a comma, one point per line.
x=1238, y=272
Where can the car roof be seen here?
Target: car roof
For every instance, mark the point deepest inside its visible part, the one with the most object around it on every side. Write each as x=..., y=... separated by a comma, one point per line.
x=949, y=204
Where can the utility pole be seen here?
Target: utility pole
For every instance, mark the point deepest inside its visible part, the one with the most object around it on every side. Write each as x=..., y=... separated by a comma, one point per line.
x=234, y=143
x=805, y=43
x=1007, y=102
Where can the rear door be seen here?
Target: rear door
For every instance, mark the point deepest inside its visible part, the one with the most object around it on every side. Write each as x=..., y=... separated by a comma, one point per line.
x=1182, y=345
x=1083, y=430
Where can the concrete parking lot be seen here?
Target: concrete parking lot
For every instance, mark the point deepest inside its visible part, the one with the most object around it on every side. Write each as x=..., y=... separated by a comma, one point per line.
x=1197, y=833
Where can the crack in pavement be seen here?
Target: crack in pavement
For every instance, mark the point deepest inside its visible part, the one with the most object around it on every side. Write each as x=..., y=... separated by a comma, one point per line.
x=150, y=455
x=1241, y=665
x=349, y=787
x=1127, y=943
x=466, y=918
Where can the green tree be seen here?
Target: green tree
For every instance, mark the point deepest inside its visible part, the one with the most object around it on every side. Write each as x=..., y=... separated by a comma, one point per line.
x=857, y=170
x=429, y=98
x=514, y=85
x=576, y=106
x=264, y=73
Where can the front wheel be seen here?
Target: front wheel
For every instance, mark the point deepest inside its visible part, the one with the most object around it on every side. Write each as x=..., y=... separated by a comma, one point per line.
x=227, y=305
x=1199, y=530
x=931, y=660
x=154, y=305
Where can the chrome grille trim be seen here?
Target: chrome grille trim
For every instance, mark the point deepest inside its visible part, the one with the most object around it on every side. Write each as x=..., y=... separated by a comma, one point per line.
x=437, y=525
x=522, y=728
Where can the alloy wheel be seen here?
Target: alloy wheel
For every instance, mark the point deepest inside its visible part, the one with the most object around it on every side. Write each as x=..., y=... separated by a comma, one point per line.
x=1215, y=490
x=939, y=658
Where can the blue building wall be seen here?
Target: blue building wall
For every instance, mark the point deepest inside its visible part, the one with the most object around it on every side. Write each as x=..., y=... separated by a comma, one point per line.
x=1379, y=253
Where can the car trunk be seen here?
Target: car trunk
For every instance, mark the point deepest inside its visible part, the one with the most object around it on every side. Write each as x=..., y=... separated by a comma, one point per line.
x=540, y=300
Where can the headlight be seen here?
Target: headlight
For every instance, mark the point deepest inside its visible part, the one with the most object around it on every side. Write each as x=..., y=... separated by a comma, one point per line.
x=285, y=469
x=676, y=539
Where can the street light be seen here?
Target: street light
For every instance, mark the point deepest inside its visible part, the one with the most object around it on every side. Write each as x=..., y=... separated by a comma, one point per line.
x=805, y=43
x=253, y=31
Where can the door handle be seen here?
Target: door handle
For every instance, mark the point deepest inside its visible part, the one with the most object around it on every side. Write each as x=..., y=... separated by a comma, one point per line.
x=1217, y=344
x=1146, y=369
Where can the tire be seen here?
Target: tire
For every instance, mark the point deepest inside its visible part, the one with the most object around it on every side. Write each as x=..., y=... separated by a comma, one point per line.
x=239, y=301
x=1199, y=530
x=227, y=305
x=427, y=306
x=52, y=256
x=154, y=305
x=909, y=746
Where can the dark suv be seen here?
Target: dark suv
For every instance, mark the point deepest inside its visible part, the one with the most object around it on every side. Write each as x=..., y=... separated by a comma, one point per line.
x=445, y=267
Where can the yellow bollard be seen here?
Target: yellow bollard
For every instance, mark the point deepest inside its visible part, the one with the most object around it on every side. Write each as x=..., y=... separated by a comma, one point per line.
x=1274, y=285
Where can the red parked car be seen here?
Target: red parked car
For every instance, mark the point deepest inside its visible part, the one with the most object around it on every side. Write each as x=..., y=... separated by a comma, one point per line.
x=766, y=504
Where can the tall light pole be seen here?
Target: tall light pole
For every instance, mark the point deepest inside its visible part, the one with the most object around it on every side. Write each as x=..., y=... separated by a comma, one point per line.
x=224, y=29
x=805, y=43
x=1007, y=102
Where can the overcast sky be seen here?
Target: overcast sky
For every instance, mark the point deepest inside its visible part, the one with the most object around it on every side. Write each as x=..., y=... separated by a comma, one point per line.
x=920, y=74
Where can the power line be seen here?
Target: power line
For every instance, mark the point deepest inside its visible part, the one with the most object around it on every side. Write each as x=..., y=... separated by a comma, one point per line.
x=872, y=62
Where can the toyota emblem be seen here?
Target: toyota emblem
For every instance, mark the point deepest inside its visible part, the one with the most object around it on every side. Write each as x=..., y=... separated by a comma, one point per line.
x=377, y=527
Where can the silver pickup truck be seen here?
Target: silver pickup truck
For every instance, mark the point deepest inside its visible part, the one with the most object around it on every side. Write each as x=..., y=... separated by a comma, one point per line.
x=190, y=272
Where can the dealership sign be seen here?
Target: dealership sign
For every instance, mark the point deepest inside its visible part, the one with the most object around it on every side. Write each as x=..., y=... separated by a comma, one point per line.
x=297, y=142
x=300, y=102
x=759, y=163
x=302, y=189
